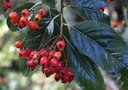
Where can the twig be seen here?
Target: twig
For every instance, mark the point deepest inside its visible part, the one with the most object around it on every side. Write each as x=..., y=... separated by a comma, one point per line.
x=61, y=27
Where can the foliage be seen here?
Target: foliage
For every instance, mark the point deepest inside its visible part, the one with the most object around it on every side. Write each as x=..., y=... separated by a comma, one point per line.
x=90, y=40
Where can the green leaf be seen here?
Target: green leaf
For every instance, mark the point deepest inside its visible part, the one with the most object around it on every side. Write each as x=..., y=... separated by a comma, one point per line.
x=95, y=4
x=32, y=39
x=49, y=32
x=101, y=43
x=91, y=14
x=18, y=9
x=86, y=72
x=50, y=3
x=123, y=74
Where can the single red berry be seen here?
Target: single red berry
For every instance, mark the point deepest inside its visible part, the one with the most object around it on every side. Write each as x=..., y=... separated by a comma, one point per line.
x=38, y=17
x=15, y=21
x=43, y=52
x=35, y=55
x=58, y=76
x=29, y=58
x=9, y=4
x=19, y=44
x=124, y=24
x=54, y=62
x=115, y=24
x=52, y=70
x=46, y=72
x=44, y=61
x=58, y=55
x=59, y=65
x=22, y=53
x=63, y=70
x=32, y=25
x=5, y=7
x=51, y=53
x=65, y=79
x=32, y=64
x=102, y=8
x=61, y=45
x=69, y=73
x=42, y=11
x=28, y=51
x=25, y=12
x=24, y=20
x=21, y=25
x=13, y=15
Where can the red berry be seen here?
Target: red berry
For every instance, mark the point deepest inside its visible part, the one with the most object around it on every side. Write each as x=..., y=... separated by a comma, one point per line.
x=35, y=55
x=58, y=55
x=21, y=25
x=51, y=53
x=43, y=52
x=25, y=12
x=52, y=70
x=70, y=73
x=24, y=20
x=22, y=53
x=46, y=72
x=102, y=8
x=54, y=62
x=5, y=7
x=28, y=51
x=65, y=79
x=33, y=25
x=15, y=21
x=42, y=11
x=59, y=65
x=13, y=15
x=44, y=61
x=115, y=24
x=9, y=4
x=124, y=24
x=58, y=76
x=31, y=64
x=19, y=44
x=63, y=70
x=61, y=45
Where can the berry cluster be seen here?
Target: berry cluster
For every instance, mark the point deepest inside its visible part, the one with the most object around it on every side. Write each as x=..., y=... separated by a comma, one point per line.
x=7, y=5
x=50, y=60
x=24, y=20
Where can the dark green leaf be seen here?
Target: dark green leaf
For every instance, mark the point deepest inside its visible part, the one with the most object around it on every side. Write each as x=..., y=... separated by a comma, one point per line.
x=123, y=79
x=18, y=9
x=95, y=4
x=123, y=74
x=50, y=3
x=86, y=73
x=101, y=43
x=91, y=14
x=49, y=31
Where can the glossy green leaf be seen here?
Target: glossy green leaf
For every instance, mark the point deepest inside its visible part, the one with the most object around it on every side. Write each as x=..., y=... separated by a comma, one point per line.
x=86, y=72
x=101, y=43
x=95, y=4
x=18, y=9
x=91, y=14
